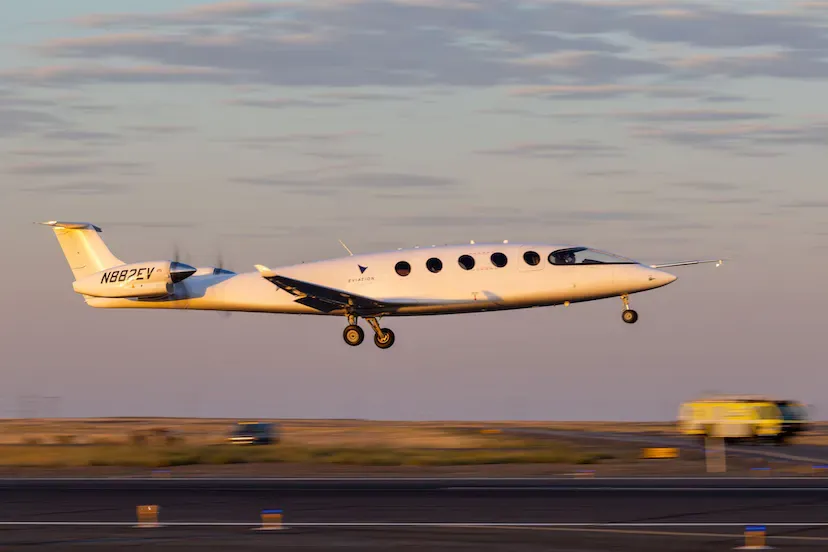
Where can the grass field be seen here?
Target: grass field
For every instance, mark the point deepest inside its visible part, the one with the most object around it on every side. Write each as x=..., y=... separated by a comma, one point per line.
x=321, y=446
x=181, y=442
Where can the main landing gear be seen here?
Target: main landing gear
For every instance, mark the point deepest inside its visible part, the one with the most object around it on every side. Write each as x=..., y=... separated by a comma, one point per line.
x=629, y=316
x=353, y=334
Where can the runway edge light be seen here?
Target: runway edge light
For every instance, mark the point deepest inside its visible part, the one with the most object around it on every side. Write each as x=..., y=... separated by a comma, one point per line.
x=147, y=515
x=271, y=520
x=754, y=538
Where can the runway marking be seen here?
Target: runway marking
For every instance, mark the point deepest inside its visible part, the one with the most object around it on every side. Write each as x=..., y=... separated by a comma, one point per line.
x=173, y=477
x=665, y=533
x=655, y=489
x=562, y=527
x=504, y=525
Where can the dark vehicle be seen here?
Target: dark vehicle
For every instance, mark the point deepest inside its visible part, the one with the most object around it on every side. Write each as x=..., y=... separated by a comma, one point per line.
x=254, y=433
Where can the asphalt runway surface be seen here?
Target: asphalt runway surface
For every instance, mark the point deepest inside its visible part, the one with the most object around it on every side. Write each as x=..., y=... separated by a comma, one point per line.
x=554, y=514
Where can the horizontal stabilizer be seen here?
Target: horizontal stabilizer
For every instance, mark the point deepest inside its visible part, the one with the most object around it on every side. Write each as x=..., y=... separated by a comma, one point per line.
x=328, y=299
x=685, y=263
x=71, y=225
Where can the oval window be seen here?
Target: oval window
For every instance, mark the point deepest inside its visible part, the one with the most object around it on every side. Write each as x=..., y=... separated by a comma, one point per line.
x=403, y=268
x=434, y=265
x=499, y=259
x=466, y=261
x=532, y=258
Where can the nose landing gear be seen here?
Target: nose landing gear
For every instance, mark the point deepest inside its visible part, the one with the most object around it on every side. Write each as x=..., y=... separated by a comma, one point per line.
x=629, y=316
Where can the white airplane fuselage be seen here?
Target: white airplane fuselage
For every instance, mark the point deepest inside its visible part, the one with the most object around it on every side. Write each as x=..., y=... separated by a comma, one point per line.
x=452, y=290
x=407, y=282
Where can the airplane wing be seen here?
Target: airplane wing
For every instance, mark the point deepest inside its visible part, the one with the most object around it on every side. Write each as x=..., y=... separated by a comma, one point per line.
x=328, y=299
x=685, y=263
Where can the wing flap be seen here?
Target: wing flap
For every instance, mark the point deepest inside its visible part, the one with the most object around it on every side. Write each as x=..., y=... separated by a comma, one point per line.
x=325, y=298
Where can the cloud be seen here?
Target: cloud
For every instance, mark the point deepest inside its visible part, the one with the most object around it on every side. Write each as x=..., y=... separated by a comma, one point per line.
x=555, y=150
x=91, y=108
x=282, y=103
x=75, y=168
x=806, y=205
x=600, y=91
x=14, y=122
x=160, y=129
x=591, y=66
x=796, y=64
x=693, y=115
x=328, y=186
x=723, y=98
x=78, y=188
x=51, y=154
x=744, y=136
x=84, y=74
x=82, y=136
x=609, y=173
x=313, y=43
x=365, y=96
x=299, y=139
x=333, y=155
x=350, y=43
x=707, y=186
x=218, y=13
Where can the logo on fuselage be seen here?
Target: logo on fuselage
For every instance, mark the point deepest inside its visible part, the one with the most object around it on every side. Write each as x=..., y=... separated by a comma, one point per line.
x=362, y=269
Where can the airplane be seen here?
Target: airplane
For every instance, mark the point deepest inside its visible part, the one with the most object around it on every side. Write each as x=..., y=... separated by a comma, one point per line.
x=434, y=280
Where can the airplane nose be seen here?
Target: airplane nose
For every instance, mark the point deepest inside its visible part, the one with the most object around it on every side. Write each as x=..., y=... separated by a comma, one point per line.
x=661, y=278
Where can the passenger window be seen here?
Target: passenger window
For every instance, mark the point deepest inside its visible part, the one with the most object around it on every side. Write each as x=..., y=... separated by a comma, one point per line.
x=499, y=260
x=466, y=261
x=531, y=258
x=434, y=265
x=403, y=268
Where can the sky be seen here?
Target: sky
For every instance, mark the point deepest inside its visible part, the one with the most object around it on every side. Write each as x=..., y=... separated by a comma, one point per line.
x=264, y=132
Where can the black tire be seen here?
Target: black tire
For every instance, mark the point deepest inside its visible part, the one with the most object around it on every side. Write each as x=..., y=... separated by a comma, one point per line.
x=389, y=339
x=629, y=316
x=353, y=335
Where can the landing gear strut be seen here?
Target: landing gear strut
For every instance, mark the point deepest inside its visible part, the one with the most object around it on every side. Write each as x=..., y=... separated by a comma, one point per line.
x=353, y=334
x=629, y=316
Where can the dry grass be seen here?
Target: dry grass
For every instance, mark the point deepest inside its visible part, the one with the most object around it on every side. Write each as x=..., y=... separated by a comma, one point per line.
x=161, y=456
x=179, y=442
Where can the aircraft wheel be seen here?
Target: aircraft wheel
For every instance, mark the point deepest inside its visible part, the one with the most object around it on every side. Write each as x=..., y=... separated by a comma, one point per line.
x=629, y=316
x=384, y=343
x=353, y=335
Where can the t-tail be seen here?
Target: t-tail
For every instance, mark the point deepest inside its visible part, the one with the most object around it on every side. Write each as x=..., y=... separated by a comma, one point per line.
x=99, y=273
x=83, y=247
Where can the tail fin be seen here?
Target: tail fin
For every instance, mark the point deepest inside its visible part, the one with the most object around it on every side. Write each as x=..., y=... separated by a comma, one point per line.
x=84, y=249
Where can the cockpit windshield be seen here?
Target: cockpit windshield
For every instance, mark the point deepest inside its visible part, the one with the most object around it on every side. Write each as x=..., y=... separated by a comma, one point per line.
x=585, y=255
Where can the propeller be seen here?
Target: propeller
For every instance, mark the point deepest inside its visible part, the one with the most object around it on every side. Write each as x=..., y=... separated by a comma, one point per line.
x=216, y=270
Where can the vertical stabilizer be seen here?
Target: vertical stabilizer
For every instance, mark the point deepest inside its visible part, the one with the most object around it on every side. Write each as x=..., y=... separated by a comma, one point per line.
x=83, y=247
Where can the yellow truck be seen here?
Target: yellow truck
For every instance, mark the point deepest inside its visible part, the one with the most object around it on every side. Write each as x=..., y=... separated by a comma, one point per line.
x=751, y=418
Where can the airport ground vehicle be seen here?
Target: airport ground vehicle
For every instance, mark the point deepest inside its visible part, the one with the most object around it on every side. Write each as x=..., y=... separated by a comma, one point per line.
x=755, y=418
x=254, y=433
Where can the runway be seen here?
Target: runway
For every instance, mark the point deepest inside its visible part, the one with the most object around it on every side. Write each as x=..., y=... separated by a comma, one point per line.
x=437, y=514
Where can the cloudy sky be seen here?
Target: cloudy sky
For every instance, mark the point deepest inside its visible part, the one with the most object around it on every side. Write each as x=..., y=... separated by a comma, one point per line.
x=263, y=132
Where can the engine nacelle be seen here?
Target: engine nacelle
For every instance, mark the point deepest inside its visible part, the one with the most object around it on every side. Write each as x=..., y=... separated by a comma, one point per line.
x=152, y=279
